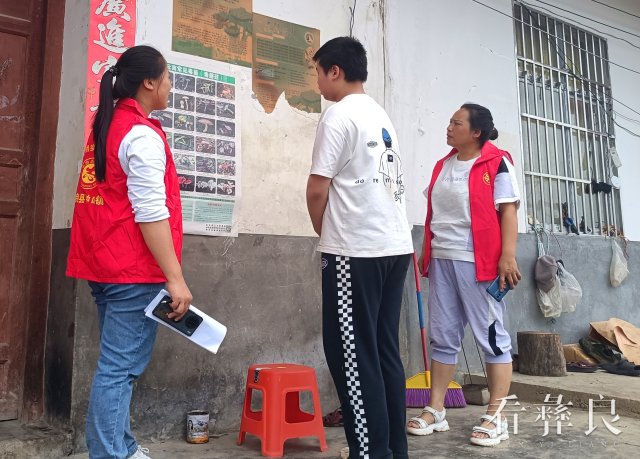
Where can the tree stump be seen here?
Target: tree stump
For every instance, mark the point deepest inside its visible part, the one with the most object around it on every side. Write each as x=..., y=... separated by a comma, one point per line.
x=541, y=354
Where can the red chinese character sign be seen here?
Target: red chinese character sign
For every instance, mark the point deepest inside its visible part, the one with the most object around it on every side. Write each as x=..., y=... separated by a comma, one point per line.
x=112, y=30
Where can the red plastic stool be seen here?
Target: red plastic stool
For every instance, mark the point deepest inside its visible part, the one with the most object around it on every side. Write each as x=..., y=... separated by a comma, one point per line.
x=281, y=417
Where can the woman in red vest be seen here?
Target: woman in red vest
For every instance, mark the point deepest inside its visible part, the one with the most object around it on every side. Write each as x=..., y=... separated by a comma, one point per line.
x=470, y=240
x=126, y=239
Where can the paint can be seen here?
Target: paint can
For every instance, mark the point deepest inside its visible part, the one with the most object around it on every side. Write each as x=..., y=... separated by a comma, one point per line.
x=198, y=426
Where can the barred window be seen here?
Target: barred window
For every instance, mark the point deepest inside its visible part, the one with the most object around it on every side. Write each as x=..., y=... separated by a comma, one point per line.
x=568, y=139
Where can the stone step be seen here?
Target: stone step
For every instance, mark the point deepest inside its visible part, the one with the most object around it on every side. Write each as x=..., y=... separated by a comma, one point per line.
x=577, y=388
x=33, y=441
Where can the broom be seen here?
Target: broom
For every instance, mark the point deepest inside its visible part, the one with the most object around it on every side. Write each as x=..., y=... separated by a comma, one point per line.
x=418, y=388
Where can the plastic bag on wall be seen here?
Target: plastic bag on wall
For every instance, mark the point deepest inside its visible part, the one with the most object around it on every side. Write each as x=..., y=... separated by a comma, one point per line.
x=570, y=290
x=551, y=302
x=619, y=269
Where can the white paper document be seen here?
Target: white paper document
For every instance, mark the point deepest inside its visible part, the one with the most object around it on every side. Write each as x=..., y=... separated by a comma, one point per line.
x=209, y=333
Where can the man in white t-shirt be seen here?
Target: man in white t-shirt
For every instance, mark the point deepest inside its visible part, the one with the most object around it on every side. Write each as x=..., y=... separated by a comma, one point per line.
x=355, y=201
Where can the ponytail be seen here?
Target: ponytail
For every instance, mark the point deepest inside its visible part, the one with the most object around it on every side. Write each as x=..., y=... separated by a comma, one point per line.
x=121, y=81
x=101, y=123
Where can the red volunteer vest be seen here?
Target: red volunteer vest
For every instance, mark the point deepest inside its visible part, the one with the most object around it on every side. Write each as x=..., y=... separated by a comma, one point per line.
x=485, y=220
x=106, y=243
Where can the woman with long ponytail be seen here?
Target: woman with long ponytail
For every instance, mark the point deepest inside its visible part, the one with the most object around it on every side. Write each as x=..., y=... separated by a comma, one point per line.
x=126, y=239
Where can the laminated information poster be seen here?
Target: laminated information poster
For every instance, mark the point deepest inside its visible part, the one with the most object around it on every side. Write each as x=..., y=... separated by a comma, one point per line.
x=214, y=29
x=283, y=62
x=203, y=130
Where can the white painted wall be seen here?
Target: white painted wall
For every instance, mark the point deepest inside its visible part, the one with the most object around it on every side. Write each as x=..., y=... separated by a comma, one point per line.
x=442, y=54
x=437, y=55
x=70, y=139
x=624, y=84
x=276, y=148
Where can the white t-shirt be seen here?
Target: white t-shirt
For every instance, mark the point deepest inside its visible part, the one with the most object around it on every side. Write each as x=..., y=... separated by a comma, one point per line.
x=451, y=218
x=365, y=215
x=144, y=162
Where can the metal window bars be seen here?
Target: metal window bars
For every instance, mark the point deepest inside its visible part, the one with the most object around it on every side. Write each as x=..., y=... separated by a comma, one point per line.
x=567, y=128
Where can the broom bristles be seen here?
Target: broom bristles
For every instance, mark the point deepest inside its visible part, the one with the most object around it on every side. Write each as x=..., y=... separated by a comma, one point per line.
x=454, y=398
x=419, y=398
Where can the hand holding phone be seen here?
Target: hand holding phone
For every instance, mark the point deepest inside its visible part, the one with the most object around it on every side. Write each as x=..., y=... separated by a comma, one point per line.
x=186, y=325
x=494, y=289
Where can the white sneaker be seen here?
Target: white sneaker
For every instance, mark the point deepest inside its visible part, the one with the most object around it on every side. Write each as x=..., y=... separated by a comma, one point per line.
x=344, y=452
x=141, y=453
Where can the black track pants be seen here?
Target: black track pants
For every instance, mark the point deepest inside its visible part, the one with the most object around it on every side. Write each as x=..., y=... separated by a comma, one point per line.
x=361, y=300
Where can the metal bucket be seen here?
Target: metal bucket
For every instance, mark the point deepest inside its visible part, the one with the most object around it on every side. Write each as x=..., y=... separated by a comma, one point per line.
x=197, y=426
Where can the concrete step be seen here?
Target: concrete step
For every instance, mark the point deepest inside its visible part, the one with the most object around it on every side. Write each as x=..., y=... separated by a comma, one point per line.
x=529, y=443
x=33, y=441
x=578, y=388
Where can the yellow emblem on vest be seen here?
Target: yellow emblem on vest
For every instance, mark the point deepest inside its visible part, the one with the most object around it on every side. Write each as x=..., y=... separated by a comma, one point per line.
x=88, y=174
x=486, y=179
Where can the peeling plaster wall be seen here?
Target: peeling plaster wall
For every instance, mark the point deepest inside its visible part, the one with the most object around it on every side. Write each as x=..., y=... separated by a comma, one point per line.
x=276, y=147
x=425, y=59
x=264, y=288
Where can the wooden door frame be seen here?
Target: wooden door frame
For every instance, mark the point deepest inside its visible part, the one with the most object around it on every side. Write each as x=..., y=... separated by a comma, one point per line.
x=37, y=294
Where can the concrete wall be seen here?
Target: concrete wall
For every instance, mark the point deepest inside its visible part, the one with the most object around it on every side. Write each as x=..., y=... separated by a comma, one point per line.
x=60, y=345
x=426, y=58
x=587, y=258
x=266, y=289
x=420, y=82
x=276, y=147
x=442, y=54
x=434, y=67
x=70, y=140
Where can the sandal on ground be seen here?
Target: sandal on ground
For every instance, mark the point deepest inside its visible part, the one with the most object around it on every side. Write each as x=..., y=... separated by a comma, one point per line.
x=602, y=353
x=581, y=367
x=440, y=424
x=333, y=419
x=495, y=435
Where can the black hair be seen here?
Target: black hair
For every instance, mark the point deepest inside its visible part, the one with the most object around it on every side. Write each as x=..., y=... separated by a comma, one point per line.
x=346, y=53
x=134, y=66
x=480, y=118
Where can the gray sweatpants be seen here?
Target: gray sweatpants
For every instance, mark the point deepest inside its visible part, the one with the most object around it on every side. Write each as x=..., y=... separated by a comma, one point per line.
x=457, y=299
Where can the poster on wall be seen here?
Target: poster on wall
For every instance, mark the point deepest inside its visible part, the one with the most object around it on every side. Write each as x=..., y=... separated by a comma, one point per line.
x=214, y=29
x=203, y=129
x=112, y=30
x=283, y=62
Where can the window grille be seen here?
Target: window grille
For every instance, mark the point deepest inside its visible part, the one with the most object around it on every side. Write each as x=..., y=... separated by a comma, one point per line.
x=566, y=125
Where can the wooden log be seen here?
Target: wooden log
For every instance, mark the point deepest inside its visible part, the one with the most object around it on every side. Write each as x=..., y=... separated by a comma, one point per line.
x=541, y=354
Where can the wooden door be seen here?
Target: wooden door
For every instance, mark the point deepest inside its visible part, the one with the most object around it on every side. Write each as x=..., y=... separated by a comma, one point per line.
x=28, y=119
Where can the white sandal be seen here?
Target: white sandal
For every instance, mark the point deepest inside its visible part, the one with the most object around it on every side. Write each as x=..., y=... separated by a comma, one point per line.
x=440, y=424
x=495, y=435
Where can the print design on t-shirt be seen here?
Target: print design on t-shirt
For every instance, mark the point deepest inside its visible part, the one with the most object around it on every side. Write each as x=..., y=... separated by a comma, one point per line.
x=391, y=167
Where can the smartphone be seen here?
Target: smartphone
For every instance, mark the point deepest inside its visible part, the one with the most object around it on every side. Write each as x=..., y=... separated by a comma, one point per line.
x=494, y=289
x=187, y=325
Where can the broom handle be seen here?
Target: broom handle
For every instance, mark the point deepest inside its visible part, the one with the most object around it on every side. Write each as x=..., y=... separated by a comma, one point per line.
x=420, y=313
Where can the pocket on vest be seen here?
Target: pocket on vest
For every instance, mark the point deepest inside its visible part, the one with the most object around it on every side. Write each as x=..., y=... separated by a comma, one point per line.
x=105, y=261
